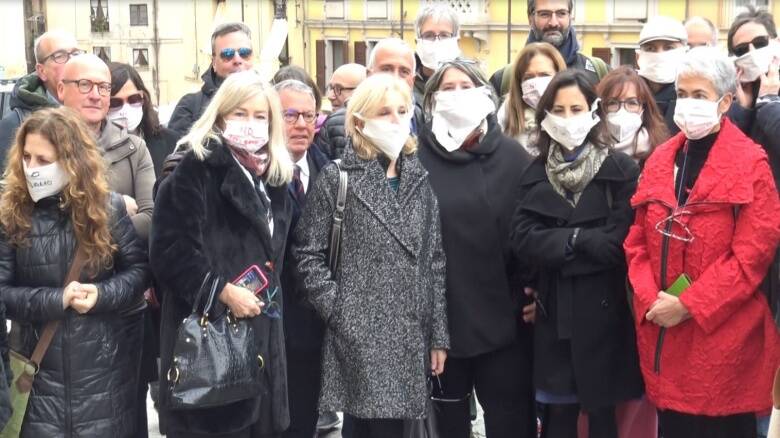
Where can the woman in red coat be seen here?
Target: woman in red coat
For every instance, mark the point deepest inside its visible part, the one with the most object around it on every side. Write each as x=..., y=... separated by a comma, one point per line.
x=706, y=208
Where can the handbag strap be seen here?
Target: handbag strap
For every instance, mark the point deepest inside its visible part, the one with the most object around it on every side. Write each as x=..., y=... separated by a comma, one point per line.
x=338, y=219
x=79, y=260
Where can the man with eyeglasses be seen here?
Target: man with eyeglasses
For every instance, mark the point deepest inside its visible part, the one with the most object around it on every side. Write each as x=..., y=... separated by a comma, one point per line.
x=551, y=22
x=303, y=328
x=231, y=52
x=39, y=89
x=343, y=82
x=86, y=88
x=437, y=30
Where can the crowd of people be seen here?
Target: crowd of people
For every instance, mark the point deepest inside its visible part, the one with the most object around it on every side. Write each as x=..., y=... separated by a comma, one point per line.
x=587, y=251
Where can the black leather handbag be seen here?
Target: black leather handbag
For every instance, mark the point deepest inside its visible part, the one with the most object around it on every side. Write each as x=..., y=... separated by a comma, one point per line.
x=215, y=362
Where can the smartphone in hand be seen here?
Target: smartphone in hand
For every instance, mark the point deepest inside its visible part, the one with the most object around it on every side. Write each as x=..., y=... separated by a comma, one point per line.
x=253, y=279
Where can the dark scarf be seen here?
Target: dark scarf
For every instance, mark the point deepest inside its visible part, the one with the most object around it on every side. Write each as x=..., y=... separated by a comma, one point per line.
x=568, y=49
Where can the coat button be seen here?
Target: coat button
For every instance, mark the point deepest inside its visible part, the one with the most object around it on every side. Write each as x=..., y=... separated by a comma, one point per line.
x=604, y=304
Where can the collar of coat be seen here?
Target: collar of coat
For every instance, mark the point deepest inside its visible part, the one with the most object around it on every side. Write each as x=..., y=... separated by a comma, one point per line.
x=368, y=181
x=726, y=177
x=542, y=198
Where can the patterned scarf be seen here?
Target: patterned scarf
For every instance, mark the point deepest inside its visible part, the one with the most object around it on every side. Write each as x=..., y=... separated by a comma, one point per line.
x=570, y=177
x=255, y=162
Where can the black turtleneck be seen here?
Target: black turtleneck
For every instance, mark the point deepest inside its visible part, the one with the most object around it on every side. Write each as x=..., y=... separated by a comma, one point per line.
x=696, y=152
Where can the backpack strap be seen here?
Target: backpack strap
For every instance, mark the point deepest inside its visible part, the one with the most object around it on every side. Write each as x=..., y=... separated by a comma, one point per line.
x=506, y=79
x=601, y=67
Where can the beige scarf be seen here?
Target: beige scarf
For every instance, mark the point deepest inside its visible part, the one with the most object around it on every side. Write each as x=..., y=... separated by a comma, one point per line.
x=570, y=177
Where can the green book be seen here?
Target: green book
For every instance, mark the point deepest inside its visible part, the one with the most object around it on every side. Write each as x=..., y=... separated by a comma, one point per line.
x=678, y=287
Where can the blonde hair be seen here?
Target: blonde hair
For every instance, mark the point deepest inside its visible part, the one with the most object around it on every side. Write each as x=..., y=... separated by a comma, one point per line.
x=364, y=103
x=85, y=198
x=237, y=89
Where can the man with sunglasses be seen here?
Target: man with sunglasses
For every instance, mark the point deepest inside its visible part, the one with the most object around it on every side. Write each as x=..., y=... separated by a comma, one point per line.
x=231, y=52
x=39, y=89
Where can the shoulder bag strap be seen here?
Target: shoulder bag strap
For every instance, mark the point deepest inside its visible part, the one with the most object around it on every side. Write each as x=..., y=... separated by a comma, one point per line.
x=79, y=260
x=338, y=220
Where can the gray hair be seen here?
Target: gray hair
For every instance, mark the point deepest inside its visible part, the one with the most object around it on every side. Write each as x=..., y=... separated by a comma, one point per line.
x=711, y=64
x=438, y=12
x=396, y=44
x=705, y=21
x=52, y=34
x=294, y=85
x=226, y=28
x=469, y=67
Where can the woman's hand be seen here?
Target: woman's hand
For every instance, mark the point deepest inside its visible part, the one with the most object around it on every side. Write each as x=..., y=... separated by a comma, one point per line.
x=70, y=292
x=130, y=205
x=529, y=311
x=86, y=300
x=770, y=81
x=438, y=356
x=241, y=302
x=667, y=311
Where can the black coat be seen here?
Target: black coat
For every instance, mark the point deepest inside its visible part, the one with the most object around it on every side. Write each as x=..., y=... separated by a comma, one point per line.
x=160, y=146
x=332, y=139
x=666, y=99
x=303, y=328
x=209, y=218
x=477, y=193
x=191, y=106
x=599, y=353
x=88, y=382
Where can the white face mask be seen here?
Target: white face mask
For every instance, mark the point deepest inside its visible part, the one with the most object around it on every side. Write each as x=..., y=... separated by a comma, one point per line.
x=433, y=53
x=458, y=113
x=128, y=116
x=249, y=135
x=387, y=136
x=756, y=63
x=660, y=67
x=696, y=117
x=534, y=88
x=44, y=181
x=570, y=132
x=623, y=125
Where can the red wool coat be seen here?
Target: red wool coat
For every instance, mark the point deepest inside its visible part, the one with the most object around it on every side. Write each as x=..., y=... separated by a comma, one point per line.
x=722, y=360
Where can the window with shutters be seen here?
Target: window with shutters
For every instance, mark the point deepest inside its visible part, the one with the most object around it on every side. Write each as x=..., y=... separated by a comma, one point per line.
x=139, y=15
x=141, y=59
x=103, y=53
x=334, y=9
x=98, y=15
x=376, y=9
x=336, y=55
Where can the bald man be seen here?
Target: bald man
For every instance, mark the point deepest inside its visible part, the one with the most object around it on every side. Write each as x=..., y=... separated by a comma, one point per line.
x=86, y=87
x=343, y=82
x=701, y=32
x=39, y=89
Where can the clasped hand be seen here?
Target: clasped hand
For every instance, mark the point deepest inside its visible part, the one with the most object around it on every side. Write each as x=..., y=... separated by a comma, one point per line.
x=667, y=311
x=80, y=297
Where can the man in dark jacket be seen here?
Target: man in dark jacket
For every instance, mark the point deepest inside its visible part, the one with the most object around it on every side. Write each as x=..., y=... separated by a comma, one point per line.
x=231, y=52
x=38, y=90
x=303, y=328
x=550, y=22
x=437, y=30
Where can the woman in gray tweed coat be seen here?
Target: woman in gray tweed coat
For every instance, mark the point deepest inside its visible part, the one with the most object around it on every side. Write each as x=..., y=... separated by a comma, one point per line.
x=384, y=307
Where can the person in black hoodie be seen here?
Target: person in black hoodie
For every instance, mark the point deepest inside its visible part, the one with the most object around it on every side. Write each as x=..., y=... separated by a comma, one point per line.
x=475, y=171
x=231, y=52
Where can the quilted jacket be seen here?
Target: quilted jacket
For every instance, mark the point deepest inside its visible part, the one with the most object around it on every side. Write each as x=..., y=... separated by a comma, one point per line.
x=722, y=360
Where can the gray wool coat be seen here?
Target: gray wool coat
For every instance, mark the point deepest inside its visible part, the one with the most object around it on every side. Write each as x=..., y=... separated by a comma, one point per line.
x=385, y=310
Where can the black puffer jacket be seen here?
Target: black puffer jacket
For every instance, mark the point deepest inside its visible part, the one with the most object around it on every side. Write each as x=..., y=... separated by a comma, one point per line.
x=332, y=139
x=191, y=106
x=88, y=379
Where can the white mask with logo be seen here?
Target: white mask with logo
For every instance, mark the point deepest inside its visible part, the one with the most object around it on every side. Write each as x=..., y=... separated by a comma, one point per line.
x=756, y=63
x=45, y=181
x=571, y=132
x=696, y=117
x=458, y=113
x=623, y=125
x=534, y=88
x=433, y=53
x=129, y=116
x=387, y=136
x=248, y=135
x=660, y=67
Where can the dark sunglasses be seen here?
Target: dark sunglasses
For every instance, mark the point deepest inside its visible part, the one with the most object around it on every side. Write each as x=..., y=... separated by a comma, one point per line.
x=229, y=53
x=133, y=99
x=757, y=42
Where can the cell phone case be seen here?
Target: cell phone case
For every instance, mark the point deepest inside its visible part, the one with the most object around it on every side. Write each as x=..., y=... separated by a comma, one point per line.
x=253, y=279
x=679, y=286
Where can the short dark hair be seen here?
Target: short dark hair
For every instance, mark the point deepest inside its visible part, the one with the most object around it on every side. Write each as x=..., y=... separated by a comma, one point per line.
x=299, y=74
x=598, y=135
x=752, y=15
x=226, y=28
x=532, y=6
x=120, y=74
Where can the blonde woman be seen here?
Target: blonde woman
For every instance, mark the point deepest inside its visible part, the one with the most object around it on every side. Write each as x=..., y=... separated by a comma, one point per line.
x=384, y=307
x=224, y=210
x=56, y=199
